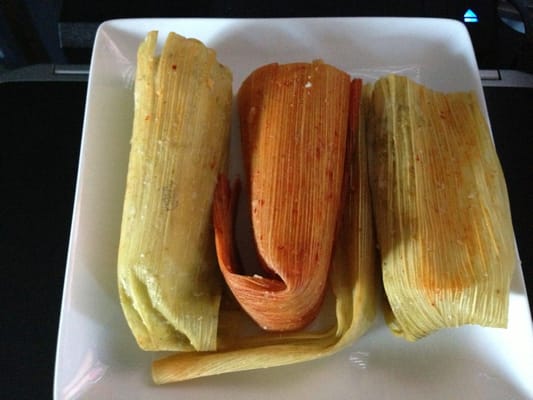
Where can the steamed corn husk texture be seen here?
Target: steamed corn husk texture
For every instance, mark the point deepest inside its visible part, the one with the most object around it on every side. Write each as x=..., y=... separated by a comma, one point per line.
x=168, y=278
x=352, y=283
x=441, y=209
x=294, y=125
x=417, y=165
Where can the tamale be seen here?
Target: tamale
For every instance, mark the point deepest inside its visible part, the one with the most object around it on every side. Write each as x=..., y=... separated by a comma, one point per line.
x=293, y=121
x=442, y=214
x=168, y=278
x=352, y=280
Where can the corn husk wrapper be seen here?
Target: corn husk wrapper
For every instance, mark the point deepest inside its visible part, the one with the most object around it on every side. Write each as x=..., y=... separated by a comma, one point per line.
x=168, y=278
x=294, y=124
x=442, y=214
x=352, y=283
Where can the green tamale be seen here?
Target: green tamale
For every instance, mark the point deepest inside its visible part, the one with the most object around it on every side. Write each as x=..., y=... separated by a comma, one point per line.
x=168, y=278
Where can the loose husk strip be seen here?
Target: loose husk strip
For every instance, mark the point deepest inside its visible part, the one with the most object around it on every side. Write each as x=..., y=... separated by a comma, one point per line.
x=442, y=214
x=168, y=278
x=352, y=279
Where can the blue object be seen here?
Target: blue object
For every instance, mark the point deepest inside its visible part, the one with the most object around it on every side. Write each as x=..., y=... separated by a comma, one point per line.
x=470, y=16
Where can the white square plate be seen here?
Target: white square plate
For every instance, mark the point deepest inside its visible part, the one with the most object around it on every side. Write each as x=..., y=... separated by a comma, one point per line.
x=97, y=357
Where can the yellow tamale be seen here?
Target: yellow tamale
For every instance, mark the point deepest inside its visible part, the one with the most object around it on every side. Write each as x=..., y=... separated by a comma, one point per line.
x=442, y=214
x=168, y=278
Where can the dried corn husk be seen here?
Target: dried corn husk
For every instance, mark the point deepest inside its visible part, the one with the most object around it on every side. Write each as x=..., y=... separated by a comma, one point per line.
x=352, y=281
x=441, y=209
x=168, y=277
